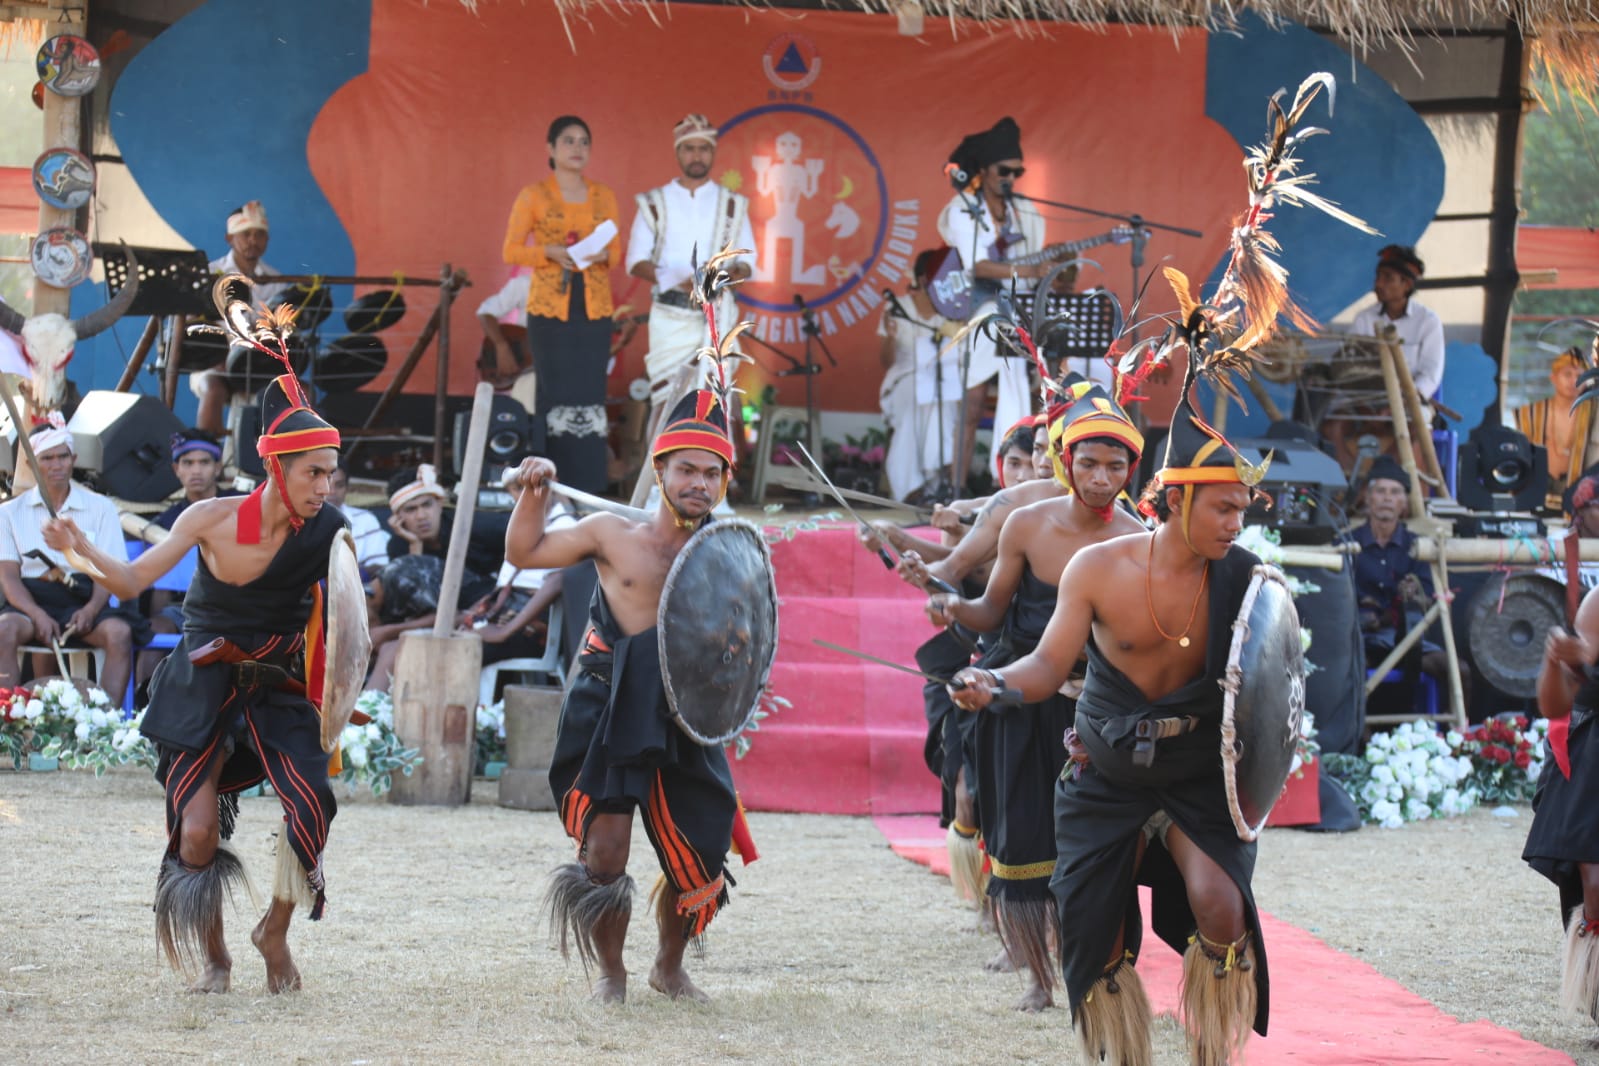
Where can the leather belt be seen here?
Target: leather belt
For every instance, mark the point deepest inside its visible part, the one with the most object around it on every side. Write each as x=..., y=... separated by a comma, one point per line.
x=1151, y=730
x=674, y=298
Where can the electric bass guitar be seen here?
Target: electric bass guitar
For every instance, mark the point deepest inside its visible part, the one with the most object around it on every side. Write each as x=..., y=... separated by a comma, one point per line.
x=954, y=292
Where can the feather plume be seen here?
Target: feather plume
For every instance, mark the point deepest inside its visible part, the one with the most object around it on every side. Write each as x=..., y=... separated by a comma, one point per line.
x=710, y=281
x=267, y=331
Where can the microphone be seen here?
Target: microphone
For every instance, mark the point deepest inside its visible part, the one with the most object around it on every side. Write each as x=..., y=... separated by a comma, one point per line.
x=805, y=312
x=958, y=178
x=894, y=308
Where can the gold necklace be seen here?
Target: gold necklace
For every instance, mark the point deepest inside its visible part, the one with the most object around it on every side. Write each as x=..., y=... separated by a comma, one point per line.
x=1149, y=598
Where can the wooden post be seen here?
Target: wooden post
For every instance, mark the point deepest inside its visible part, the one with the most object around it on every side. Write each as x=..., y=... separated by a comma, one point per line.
x=1396, y=407
x=152, y=327
x=1415, y=412
x=169, y=381
x=441, y=372
x=436, y=674
x=1440, y=587
x=62, y=117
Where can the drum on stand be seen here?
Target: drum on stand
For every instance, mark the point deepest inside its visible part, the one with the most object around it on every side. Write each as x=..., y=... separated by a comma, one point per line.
x=350, y=363
x=250, y=370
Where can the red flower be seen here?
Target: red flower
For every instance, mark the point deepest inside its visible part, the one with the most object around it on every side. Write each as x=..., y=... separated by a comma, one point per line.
x=1523, y=760
x=1521, y=721
x=572, y=237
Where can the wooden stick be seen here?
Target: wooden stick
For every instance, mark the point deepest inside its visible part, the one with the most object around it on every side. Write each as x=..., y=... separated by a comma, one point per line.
x=465, y=503
x=1417, y=414
x=169, y=382
x=1388, y=353
x=1380, y=673
x=152, y=328
x=356, y=279
x=441, y=368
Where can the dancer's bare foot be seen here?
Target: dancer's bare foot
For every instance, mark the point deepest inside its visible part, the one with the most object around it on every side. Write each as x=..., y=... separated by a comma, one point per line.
x=1001, y=963
x=271, y=938
x=1035, y=999
x=610, y=988
x=673, y=983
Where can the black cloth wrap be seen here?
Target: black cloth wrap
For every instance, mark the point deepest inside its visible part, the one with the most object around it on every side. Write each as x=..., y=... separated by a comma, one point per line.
x=197, y=714
x=1100, y=813
x=570, y=358
x=61, y=602
x=1564, y=831
x=616, y=739
x=1020, y=752
x=946, y=750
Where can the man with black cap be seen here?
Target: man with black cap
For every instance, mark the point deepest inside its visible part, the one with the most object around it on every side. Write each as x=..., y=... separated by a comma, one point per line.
x=1018, y=750
x=240, y=700
x=1421, y=332
x=1392, y=587
x=987, y=226
x=617, y=747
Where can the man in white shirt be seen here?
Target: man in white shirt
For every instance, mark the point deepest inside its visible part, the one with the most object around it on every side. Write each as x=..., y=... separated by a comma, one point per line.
x=920, y=391
x=1421, y=332
x=247, y=243
x=987, y=227
x=44, y=596
x=371, y=539
x=686, y=221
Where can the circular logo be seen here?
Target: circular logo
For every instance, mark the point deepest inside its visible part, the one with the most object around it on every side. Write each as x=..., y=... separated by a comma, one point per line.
x=68, y=65
x=61, y=257
x=63, y=178
x=818, y=203
x=791, y=62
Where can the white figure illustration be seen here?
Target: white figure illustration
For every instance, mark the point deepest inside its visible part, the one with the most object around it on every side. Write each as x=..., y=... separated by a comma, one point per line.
x=787, y=181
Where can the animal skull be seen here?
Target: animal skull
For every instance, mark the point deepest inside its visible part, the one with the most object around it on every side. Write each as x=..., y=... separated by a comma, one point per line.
x=48, y=340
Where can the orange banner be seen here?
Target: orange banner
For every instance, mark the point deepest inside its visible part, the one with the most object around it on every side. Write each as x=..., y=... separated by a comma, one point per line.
x=835, y=126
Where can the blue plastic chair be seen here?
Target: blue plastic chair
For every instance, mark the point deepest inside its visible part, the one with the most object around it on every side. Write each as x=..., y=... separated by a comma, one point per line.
x=175, y=580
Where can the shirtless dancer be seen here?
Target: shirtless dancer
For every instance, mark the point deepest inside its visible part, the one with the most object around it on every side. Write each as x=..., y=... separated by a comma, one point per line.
x=1020, y=751
x=616, y=748
x=222, y=725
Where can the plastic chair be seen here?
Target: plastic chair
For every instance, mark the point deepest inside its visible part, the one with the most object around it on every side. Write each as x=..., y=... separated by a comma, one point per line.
x=548, y=663
x=1424, y=701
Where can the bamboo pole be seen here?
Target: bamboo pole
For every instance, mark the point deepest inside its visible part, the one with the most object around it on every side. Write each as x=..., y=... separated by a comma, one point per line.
x=1415, y=412
x=1457, y=695
x=152, y=328
x=1380, y=672
x=61, y=129
x=441, y=368
x=1396, y=406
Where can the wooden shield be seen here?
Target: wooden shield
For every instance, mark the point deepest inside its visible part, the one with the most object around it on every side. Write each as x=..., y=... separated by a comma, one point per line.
x=349, y=645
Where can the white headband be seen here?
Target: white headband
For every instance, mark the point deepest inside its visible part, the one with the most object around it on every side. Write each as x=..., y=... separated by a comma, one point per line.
x=51, y=436
x=251, y=216
x=426, y=484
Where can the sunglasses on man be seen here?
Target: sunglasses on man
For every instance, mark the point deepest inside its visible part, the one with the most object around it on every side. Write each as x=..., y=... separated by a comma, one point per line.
x=1010, y=172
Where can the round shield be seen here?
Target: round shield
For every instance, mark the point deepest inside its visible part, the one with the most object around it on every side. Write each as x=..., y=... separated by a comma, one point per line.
x=61, y=257
x=68, y=65
x=350, y=363
x=312, y=305
x=717, y=628
x=1265, y=700
x=250, y=370
x=1508, y=619
x=375, y=311
x=63, y=178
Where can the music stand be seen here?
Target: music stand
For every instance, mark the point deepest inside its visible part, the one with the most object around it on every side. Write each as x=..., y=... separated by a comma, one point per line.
x=171, y=282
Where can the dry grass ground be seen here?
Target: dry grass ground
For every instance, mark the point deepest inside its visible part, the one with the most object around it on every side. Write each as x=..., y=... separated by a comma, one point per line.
x=834, y=950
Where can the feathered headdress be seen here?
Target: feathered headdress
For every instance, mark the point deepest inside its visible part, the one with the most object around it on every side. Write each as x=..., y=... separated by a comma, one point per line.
x=288, y=422
x=1220, y=337
x=700, y=420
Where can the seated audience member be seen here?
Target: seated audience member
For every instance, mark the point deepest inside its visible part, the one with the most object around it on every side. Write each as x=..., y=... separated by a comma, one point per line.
x=1420, y=330
x=1567, y=436
x=511, y=618
x=1393, y=588
x=371, y=543
x=403, y=596
x=197, y=462
x=422, y=525
x=247, y=235
x=45, y=599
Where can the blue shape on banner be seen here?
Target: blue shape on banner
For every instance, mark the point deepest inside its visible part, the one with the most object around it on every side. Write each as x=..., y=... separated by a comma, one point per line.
x=1470, y=385
x=791, y=63
x=217, y=111
x=1379, y=161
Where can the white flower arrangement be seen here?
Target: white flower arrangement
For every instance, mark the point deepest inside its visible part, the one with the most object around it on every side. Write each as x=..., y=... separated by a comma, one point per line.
x=84, y=730
x=1408, y=775
x=372, y=752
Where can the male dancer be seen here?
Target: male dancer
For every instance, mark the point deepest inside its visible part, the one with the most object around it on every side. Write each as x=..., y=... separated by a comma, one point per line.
x=1121, y=820
x=616, y=748
x=1019, y=751
x=231, y=705
x=1563, y=843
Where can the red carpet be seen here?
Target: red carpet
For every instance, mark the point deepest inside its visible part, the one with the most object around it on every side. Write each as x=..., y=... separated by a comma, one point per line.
x=852, y=741
x=1375, y=1020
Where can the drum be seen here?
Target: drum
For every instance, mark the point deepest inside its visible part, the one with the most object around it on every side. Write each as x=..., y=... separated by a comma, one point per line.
x=313, y=305
x=350, y=363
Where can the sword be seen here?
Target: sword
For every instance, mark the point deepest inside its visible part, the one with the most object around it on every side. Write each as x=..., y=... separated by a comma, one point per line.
x=1000, y=695
x=599, y=503
x=816, y=471
x=24, y=445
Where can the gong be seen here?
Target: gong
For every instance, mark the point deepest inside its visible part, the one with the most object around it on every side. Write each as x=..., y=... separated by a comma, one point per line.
x=1507, y=622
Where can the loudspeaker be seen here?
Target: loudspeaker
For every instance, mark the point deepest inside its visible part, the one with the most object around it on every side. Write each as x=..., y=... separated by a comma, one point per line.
x=513, y=436
x=126, y=439
x=1306, y=487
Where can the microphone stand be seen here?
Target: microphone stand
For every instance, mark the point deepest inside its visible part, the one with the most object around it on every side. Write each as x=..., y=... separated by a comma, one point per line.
x=813, y=335
x=957, y=478
x=810, y=368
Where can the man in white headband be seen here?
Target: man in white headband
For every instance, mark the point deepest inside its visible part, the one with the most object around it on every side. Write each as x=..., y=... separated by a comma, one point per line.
x=247, y=243
x=687, y=220
x=44, y=597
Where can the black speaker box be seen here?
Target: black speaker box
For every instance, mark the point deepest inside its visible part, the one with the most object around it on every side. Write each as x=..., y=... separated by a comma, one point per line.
x=126, y=439
x=513, y=435
x=1306, y=487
